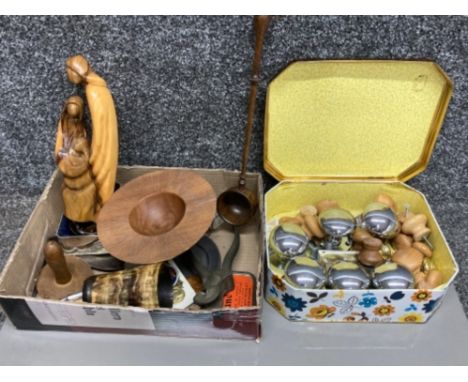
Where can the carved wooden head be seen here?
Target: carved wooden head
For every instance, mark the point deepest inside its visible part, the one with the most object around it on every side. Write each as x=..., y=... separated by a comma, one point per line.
x=74, y=107
x=77, y=69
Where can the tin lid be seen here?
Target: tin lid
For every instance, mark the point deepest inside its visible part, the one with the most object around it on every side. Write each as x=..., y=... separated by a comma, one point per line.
x=354, y=119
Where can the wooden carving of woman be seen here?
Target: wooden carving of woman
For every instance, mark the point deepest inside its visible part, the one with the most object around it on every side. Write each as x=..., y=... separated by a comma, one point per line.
x=89, y=170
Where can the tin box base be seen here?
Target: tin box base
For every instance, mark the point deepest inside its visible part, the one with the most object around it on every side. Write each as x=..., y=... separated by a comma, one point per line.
x=18, y=279
x=373, y=305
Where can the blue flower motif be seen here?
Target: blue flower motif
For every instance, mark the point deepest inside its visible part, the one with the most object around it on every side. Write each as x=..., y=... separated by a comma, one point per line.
x=292, y=303
x=274, y=291
x=431, y=305
x=410, y=308
x=368, y=300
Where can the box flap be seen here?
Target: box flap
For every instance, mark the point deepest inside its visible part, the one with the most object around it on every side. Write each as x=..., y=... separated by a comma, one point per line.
x=354, y=119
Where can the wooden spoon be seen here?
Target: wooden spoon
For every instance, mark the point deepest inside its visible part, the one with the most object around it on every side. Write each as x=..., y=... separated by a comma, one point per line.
x=238, y=205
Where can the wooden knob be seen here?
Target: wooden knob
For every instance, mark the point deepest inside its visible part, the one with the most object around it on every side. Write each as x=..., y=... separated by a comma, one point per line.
x=402, y=241
x=409, y=258
x=307, y=231
x=416, y=226
x=326, y=204
x=312, y=224
x=370, y=255
x=292, y=219
x=403, y=216
x=55, y=259
x=308, y=210
x=423, y=248
x=360, y=234
x=62, y=275
x=418, y=277
x=387, y=200
x=432, y=280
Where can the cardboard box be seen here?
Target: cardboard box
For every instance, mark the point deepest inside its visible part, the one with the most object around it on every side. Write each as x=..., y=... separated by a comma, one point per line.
x=18, y=279
x=349, y=130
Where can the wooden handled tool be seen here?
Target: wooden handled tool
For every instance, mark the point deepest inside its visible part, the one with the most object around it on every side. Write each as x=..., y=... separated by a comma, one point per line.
x=237, y=205
x=62, y=275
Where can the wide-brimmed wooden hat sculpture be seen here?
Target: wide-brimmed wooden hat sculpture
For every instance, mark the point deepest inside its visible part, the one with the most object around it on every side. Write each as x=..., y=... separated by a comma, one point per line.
x=157, y=216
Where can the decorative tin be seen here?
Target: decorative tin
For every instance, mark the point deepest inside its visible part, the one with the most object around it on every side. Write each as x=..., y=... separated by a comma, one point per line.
x=349, y=131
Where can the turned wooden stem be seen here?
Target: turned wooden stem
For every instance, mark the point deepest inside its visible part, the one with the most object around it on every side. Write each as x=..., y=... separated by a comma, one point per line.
x=55, y=258
x=260, y=27
x=370, y=255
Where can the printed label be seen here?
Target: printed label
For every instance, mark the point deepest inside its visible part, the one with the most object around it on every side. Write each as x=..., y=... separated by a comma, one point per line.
x=243, y=293
x=56, y=313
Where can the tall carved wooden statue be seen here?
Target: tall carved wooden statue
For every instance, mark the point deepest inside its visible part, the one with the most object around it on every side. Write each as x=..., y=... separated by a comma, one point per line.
x=89, y=172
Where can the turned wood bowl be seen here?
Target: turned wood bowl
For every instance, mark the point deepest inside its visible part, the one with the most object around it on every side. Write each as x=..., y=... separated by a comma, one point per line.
x=157, y=216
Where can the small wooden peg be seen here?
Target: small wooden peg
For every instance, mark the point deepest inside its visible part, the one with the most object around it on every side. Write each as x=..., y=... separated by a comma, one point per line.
x=360, y=234
x=62, y=275
x=307, y=231
x=370, y=255
x=311, y=222
x=402, y=241
x=409, y=258
x=387, y=200
x=423, y=248
x=432, y=280
x=326, y=204
x=418, y=277
x=308, y=210
x=292, y=219
x=416, y=226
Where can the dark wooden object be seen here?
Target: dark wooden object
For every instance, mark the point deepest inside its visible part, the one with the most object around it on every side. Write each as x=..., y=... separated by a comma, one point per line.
x=238, y=204
x=157, y=216
x=370, y=253
x=62, y=275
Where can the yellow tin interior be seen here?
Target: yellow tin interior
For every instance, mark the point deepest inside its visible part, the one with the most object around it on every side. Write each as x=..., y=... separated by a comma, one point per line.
x=286, y=198
x=354, y=119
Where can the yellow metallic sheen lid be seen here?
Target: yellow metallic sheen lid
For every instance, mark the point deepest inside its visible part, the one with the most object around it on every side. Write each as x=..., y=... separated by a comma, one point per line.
x=354, y=119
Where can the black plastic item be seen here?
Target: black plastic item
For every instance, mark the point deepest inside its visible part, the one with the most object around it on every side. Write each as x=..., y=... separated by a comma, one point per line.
x=219, y=281
x=200, y=260
x=165, y=287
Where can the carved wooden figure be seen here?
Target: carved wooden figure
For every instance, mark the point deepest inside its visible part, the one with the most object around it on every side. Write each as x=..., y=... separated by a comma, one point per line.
x=103, y=155
x=72, y=154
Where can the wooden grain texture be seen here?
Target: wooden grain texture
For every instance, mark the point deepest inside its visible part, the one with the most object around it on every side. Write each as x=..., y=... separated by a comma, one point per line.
x=62, y=275
x=416, y=226
x=72, y=154
x=369, y=254
x=238, y=205
x=105, y=143
x=142, y=222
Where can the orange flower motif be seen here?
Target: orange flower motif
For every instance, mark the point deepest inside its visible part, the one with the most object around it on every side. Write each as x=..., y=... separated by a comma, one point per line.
x=411, y=317
x=278, y=282
x=384, y=310
x=421, y=295
x=320, y=312
x=349, y=318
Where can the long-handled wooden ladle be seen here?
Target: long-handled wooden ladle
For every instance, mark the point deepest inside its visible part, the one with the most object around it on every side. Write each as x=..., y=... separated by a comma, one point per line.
x=238, y=205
